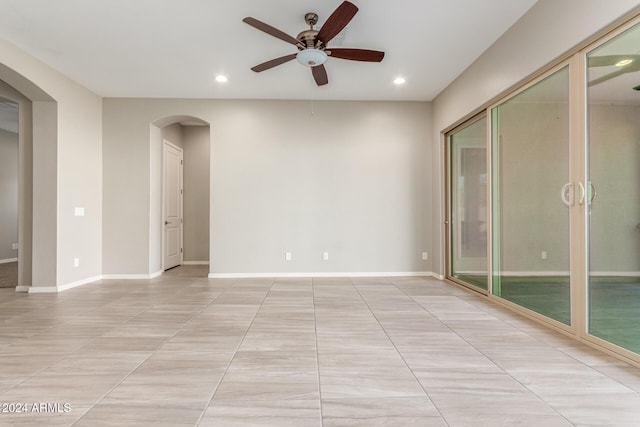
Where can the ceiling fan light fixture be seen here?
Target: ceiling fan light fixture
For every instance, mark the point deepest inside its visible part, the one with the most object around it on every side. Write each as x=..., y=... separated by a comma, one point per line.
x=311, y=57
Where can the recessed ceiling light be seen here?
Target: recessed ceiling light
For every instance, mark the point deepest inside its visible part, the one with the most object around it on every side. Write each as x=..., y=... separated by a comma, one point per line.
x=624, y=62
x=221, y=79
x=399, y=81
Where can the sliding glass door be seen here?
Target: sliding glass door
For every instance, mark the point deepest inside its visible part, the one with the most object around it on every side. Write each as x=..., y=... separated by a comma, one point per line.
x=613, y=105
x=551, y=224
x=467, y=177
x=532, y=195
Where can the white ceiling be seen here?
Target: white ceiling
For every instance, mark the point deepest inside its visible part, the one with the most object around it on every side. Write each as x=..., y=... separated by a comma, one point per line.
x=170, y=48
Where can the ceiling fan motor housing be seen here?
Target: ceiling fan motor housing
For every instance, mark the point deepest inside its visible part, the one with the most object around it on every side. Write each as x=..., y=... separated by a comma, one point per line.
x=308, y=38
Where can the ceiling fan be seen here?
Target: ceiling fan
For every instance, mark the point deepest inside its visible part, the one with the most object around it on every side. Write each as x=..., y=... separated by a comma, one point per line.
x=312, y=44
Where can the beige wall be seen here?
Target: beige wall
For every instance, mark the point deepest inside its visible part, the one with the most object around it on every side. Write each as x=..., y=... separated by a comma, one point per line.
x=196, y=193
x=67, y=145
x=351, y=179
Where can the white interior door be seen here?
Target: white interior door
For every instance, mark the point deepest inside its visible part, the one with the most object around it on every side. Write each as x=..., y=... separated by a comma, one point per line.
x=172, y=205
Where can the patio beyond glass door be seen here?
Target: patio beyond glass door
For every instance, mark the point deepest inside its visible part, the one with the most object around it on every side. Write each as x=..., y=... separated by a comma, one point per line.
x=532, y=198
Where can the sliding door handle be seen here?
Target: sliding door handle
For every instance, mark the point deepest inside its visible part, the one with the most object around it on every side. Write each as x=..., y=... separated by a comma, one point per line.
x=566, y=194
x=592, y=192
x=582, y=192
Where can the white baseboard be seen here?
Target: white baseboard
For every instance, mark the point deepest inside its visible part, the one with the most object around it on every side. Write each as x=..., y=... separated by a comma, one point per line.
x=61, y=288
x=8, y=260
x=615, y=273
x=23, y=289
x=554, y=273
x=132, y=276
x=195, y=262
x=336, y=274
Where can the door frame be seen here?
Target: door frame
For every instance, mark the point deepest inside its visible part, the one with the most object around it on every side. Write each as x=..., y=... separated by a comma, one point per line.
x=166, y=143
x=448, y=220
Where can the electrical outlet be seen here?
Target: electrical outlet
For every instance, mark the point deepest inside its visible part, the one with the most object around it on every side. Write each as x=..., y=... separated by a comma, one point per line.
x=425, y=256
x=543, y=255
x=287, y=256
x=325, y=256
x=14, y=246
x=78, y=211
x=76, y=262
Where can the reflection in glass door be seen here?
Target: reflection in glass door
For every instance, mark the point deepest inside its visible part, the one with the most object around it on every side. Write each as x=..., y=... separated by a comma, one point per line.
x=531, y=198
x=468, y=204
x=613, y=192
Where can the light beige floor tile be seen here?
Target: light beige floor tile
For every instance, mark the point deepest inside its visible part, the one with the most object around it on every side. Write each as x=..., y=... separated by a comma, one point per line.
x=243, y=413
x=506, y=420
x=194, y=342
x=76, y=390
x=9, y=383
x=169, y=414
x=97, y=364
x=143, y=388
x=280, y=341
x=172, y=362
x=353, y=386
x=44, y=414
x=124, y=344
x=567, y=379
x=374, y=411
x=353, y=342
x=23, y=365
x=154, y=352
x=267, y=390
x=467, y=381
x=479, y=403
x=448, y=358
x=615, y=409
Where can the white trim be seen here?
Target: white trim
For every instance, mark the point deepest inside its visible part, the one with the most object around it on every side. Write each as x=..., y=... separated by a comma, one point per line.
x=131, y=276
x=8, y=260
x=615, y=273
x=43, y=290
x=554, y=273
x=532, y=273
x=22, y=288
x=337, y=274
x=61, y=288
x=195, y=262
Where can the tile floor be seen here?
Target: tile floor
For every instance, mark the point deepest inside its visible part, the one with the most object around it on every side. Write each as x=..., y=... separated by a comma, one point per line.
x=182, y=350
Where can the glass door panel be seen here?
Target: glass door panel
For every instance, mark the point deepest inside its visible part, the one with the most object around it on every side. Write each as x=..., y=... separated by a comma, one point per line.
x=468, y=204
x=613, y=196
x=531, y=198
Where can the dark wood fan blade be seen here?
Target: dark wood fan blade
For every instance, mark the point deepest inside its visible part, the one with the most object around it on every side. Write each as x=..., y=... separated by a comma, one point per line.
x=607, y=60
x=337, y=21
x=273, y=63
x=320, y=75
x=357, y=54
x=271, y=30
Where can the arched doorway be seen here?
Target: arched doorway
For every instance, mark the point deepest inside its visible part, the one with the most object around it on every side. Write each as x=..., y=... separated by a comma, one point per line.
x=37, y=179
x=190, y=137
